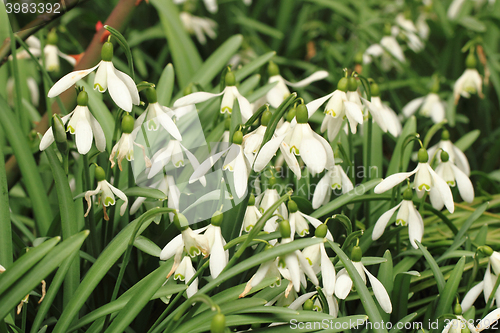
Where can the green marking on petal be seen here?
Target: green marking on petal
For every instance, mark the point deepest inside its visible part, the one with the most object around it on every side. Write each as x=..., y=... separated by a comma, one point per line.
x=179, y=164
x=109, y=201
x=451, y=183
x=70, y=129
x=194, y=251
x=250, y=227
x=226, y=109
x=98, y=87
x=330, y=112
x=401, y=222
x=152, y=125
x=294, y=150
x=309, y=261
x=179, y=277
x=336, y=186
x=424, y=187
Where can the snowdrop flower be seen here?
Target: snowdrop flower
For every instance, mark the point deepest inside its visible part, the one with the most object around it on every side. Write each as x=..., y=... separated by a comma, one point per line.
x=388, y=49
x=334, y=179
x=253, y=140
x=125, y=146
x=456, y=156
x=162, y=185
x=81, y=123
x=236, y=162
x=342, y=103
x=155, y=113
x=410, y=32
x=268, y=151
x=252, y=215
x=218, y=256
x=430, y=106
x=470, y=82
x=299, y=222
x=426, y=179
x=107, y=194
x=229, y=94
x=51, y=52
x=450, y=172
x=407, y=215
x=489, y=320
x=315, y=151
x=199, y=26
x=489, y=280
x=454, y=9
x=122, y=88
x=270, y=197
x=459, y=323
x=383, y=115
x=184, y=272
x=267, y=269
x=344, y=283
x=318, y=258
x=278, y=93
x=295, y=262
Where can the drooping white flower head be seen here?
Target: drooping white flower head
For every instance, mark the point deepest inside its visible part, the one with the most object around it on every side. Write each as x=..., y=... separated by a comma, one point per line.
x=124, y=148
x=430, y=106
x=334, y=179
x=122, y=88
x=389, y=49
x=106, y=193
x=278, y=93
x=32, y=87
x=185, y=272
x=252, y=215
x=456, y=156
x=454, y=176
x=81, y=123
x=382, y=114
x=410, y=33
x=470, y=82
x=218, y=256
x=407, y=215
x=199, y=26
x=426, y=179
x=486, y=286
x=229, y=94
x=299, y=222
x=344, y=283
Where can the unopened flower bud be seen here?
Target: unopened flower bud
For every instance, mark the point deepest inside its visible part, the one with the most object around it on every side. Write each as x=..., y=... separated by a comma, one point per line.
x=217, y=218
x=151, y=95
x=218, y=324
x=107, y=51
x=423, y=156
x=99, y=173
x=273, y=69
x=301, y=114
x=230, y=79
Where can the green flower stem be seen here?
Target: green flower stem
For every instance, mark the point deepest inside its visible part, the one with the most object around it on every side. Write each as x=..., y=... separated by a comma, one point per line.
x=5, y=224
x=90, y=219
x=21, y=112
x=367, y=165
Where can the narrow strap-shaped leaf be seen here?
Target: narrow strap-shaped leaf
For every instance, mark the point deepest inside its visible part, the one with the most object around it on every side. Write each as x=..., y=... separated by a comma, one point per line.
x=447, y=296
x=401, y=324
x=147, y=192
x=166, y=85
x=29, y=281
x=5, y=224
x=29, y=171
x=253, y=65
x=394, y=165
x=434, y=267
x=25, y=263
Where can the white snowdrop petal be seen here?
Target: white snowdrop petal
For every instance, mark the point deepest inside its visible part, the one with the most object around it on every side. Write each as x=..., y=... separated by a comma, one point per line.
x=471, y=296
x=380, y=293
x=382, y=222
x=68, y=80
x=343, y=284
x=327, y=272
x=240, y=175
x=393, y=180
x=464, y=184
x=316, y=76
x=415, y=225
x=444, y=190
x=320, y=191
x=118, y=90
x=217, y=254
x=131, y=86
x=205, y=166
x=489, y=320
x=169, y=125
x=195, y=98
x=245, y=107
x=169, y=250
x=314, y=105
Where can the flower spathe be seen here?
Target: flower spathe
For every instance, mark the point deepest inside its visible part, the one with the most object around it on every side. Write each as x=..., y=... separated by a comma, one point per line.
x=83, y=125
x=122, y=88
x=107, y=194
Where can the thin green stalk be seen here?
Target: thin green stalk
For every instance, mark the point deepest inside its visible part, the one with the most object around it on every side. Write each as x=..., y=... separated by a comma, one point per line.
x=90, y=219
x=5, y=224
x=367, y=166
x=23, y=120
x=25, y=316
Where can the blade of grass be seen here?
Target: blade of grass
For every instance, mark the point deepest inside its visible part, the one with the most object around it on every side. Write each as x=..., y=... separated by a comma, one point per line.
x=5, y=226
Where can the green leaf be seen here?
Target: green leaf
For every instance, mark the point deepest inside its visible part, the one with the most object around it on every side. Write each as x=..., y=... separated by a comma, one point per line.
x=473, y=24
x=467, y=140
x=165, y=85
x=5, y=224
x=100, y=268
x=275, y=118
x=365, y=296
x=146, y=192
x=401, y=324
x=258, y=27
x=409, y=128
x=252, y=66
x=29, y=170
x=54, y=258
x=400, y=296
x=447, y=296
x=434, y=267
x=346, y=198
x=123, y=43
x=146, y=245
